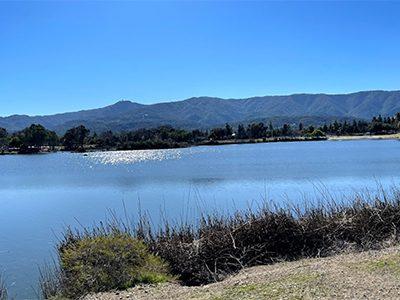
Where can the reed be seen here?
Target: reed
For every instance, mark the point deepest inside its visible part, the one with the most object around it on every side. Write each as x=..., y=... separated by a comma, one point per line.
x=220, y=245
x=3, y=289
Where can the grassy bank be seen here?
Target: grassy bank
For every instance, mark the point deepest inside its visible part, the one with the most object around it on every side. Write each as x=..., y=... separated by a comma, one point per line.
x=219, y=245
x=365, y=275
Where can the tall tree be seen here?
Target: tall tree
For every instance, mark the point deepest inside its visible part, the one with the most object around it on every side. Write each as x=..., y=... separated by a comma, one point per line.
x=241, y=132
x=228, y=130
x=74, y=138
x=34, y=136
x=3, y=138
x=52, y=139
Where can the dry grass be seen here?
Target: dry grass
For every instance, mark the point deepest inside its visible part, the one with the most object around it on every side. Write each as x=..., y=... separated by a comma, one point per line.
x=3, y=289
x=224, y=245
x=366, y=275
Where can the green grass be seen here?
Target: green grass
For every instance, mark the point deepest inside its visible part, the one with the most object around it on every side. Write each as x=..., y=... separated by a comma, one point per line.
x=390, y=264
x=293, y=286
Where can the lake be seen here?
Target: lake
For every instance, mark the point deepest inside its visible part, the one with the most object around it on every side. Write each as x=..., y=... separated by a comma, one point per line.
x=41, y=194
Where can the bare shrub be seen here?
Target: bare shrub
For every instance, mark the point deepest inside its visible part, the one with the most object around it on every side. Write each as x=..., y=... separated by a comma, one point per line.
x=221, y=244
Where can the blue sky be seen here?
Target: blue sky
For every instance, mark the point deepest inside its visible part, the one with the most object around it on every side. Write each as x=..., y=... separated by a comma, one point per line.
x=66, y=56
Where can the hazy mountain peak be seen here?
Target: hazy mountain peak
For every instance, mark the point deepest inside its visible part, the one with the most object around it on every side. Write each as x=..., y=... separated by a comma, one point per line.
x=123, y=102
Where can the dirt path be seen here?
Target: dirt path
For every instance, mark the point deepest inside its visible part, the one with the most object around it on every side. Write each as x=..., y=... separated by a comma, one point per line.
x=368, y=275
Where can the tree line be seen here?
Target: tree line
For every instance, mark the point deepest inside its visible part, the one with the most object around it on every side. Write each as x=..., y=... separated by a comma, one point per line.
x=36, y=137
x=28, y=140
x=377, y=125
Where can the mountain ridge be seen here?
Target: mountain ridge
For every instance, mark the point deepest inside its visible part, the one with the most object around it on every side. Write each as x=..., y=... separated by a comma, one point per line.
x=206, y=112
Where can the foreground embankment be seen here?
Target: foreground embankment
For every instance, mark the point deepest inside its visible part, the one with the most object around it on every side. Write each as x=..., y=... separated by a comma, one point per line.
x=365, y=275
x=117, y=256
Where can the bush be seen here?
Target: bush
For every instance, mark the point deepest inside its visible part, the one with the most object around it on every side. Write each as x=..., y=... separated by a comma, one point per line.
x=317, y=133
x=222, y=245
x=97, y=263
x=116, y=257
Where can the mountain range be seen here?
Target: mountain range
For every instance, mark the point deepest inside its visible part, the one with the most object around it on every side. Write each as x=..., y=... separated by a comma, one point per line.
x=208, y=112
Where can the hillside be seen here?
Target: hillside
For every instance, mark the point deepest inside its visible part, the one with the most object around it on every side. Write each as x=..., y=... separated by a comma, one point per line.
x=367, y=275
x=206, y=112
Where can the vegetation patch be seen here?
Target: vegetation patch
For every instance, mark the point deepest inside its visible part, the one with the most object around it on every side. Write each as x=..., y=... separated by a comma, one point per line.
x=389, y=264
x=116, y=256
x=292, y=286
x=222, y=245
x=96, y=262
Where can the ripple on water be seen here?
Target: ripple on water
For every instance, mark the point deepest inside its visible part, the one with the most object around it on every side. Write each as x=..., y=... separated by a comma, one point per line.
x=134, y=156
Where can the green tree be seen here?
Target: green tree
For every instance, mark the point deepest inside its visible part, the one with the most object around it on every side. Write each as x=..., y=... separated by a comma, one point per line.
x=256, y=130
x=35, y=136
x=15, y=142
x=325, y=128
x=241, y=132
x=217, y=134
x=286, y=130
x=3, y=138
x=52, y=139
x=271, y=129
x=107, y=140
x=74, y=139
x=228, y=130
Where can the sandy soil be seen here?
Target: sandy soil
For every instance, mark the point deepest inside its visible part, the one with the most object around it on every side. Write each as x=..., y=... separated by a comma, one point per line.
x=365, y=137
x=367, y=275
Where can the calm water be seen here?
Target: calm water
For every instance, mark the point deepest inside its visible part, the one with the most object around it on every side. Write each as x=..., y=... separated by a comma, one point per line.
x=41, y=194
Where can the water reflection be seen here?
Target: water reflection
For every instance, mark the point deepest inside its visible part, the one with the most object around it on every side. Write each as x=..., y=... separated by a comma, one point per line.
x=132, y=157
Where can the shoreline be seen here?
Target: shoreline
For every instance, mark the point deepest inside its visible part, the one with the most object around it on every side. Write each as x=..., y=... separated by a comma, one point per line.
x=204, y=143
x=263, y=140
x=395, y=136
x=321, y=230
x=370, y=274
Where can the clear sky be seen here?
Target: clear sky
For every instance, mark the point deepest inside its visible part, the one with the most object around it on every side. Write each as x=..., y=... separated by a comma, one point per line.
x=66, y=56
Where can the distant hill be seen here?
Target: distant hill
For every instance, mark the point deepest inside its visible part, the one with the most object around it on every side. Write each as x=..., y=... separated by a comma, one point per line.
x=206, y=112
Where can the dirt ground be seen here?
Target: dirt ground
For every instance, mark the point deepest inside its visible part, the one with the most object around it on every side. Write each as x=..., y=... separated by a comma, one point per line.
x=367, y=275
